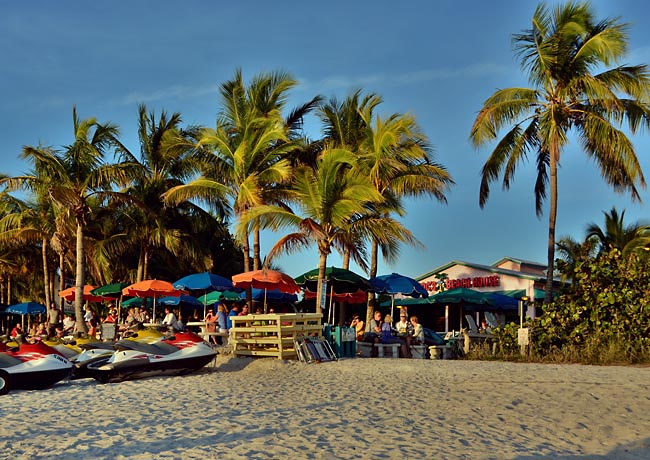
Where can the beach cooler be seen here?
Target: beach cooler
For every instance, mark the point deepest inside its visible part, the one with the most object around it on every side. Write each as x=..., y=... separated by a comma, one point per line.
x=343, y=340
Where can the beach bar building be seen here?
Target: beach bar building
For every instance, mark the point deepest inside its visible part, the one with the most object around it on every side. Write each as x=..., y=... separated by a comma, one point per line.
x=516, y=278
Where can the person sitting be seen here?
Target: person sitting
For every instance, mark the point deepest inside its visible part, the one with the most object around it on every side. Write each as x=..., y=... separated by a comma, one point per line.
x=69, y=324
x=358, y=326
x=485, y=328
x=418, y=331
x=17, y=334
x=170, y=320
x=244, y=310
x=111, y=317
x=374, y=334
x=404, y=334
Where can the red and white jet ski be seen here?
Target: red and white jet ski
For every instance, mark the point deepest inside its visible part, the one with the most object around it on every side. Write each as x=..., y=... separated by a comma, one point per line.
x=182, y=353
x=32, y=367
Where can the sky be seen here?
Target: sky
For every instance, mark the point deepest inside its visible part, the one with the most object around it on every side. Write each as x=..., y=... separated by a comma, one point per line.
x=437, y=60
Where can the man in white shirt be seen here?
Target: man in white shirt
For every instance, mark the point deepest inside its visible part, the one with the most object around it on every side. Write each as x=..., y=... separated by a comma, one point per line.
x=170, y=320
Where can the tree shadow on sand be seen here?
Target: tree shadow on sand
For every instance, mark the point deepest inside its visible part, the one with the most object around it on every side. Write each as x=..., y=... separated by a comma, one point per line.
x=636, y=450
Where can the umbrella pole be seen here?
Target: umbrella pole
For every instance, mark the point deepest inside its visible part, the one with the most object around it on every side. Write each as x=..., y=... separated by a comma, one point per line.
x=264, y=300
x=392, y=305
x=205, y=304
x=331, y=301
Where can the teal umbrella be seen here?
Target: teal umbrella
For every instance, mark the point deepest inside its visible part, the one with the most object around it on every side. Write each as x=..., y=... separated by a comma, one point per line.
x=213, y=297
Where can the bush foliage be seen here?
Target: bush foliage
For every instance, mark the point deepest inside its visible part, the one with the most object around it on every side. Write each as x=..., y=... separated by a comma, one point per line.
x=602, y=316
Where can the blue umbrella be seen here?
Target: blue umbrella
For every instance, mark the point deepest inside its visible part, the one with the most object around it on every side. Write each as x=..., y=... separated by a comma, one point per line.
x=397, y=284
x=204, y=282
x=26, y=308
x=182, y=299
x=271, y=294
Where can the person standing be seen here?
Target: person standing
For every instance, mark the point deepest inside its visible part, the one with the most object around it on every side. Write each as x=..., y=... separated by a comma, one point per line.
x=54, y=320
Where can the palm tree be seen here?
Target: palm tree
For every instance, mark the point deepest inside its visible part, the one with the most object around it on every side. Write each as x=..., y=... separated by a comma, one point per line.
x=616, y=235
x=571, y=253
x=165, y=161
x=564, y=53
x=244, y=156
x=29, y=223
x=395, y=155
x=75, y=176
x=330, y=198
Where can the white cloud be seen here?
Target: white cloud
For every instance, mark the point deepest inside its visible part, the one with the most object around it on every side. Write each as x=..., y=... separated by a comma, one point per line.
x=409, y=78
x=171, y=92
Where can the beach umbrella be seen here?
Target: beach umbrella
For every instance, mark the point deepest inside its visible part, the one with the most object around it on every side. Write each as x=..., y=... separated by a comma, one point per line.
x=266, y=279
x=152, y=289
x=349, y=297
x=109, y=290
x=271, y=294
x=69, y=294
x=113, y=290
x=205, y=282
x=182, y=299
x=26, y=308
x=339, y=281
x=213, y=297
x=397, y=284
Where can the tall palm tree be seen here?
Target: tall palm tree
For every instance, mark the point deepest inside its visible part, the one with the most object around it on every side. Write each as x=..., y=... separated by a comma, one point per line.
x=244, y=155
x=166, y=160
x=329, y=199
x=397, y=158
x=564, y=53
x=615, y=234
x=75, y=176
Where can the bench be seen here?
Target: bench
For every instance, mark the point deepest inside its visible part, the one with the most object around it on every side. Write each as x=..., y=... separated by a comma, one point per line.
x=365, y=349
x=419, y=351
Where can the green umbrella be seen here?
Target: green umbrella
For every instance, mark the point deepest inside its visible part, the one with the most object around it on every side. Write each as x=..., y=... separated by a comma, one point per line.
x=109, y=289
x=114, y=289
x=213, y=297
x=136, y=302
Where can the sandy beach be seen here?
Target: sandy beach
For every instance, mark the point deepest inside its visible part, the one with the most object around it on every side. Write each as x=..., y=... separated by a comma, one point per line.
x=350, y=409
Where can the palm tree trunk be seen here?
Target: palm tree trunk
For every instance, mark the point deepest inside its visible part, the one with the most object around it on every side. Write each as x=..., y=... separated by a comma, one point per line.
x=246, y=252
x=79, y=280
x=322, y=263
x=374, y=253
x=145, y=264
x=554, y=157
x=46, y=273
x=61, y=271
x=257, y=260
x=9, y=289
x=138, y=276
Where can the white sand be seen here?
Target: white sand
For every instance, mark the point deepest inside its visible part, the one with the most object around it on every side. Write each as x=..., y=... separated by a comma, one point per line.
x=351, y=409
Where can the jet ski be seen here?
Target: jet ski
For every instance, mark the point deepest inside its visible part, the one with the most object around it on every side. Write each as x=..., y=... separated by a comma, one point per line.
x=32, y=366
x=181, y=353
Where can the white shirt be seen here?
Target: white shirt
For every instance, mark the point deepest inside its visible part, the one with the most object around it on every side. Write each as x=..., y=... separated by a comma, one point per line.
x=170, y=320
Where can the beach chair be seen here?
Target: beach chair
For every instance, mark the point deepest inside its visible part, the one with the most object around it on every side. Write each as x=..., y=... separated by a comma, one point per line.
x=473, y=328
x=109, y=331
x=491, y=319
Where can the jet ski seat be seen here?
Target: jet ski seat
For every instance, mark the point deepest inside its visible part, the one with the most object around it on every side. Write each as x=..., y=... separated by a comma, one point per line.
x=158, y=348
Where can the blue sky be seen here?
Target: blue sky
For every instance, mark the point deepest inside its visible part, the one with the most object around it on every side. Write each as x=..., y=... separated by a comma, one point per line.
x=438, y=60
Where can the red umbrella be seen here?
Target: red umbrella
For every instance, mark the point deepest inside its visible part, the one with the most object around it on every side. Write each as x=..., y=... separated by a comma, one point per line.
x=266, y=279
x=69, y=294
x=152, y=288
x=350, y=297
